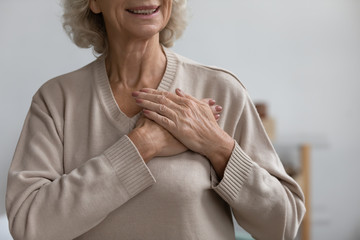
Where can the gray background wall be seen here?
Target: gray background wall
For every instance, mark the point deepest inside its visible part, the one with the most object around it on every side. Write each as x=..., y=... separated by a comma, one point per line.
x=302, y=57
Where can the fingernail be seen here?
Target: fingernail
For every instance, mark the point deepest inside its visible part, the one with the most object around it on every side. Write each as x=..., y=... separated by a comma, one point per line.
x=144, y=90
x=135, y=94
x=212, y=102
x=218, y=108
x=138, y=100
x=145, y=111
x=217, y=116
x=179, y=92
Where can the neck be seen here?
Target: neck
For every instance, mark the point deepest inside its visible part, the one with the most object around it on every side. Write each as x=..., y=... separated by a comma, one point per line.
x=135, y=64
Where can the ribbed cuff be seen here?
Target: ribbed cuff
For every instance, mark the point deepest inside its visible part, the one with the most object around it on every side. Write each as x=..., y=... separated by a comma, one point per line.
x=236, y=172
x=130, y=168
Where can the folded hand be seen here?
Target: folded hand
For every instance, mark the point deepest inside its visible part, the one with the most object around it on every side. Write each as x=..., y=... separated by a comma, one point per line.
x=188, y=119
x=160, y=140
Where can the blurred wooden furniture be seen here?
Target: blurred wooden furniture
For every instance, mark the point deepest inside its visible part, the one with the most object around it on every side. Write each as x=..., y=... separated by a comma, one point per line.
x=301, y=174
x=304, y=181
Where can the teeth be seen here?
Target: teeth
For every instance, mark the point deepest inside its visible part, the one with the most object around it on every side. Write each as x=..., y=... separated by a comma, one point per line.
x=144, y=12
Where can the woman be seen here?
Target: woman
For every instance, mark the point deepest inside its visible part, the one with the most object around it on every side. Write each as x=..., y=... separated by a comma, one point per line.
x=115, y=150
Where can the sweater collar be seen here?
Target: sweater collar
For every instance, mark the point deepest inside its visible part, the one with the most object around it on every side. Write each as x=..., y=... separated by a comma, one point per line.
x=107, y=98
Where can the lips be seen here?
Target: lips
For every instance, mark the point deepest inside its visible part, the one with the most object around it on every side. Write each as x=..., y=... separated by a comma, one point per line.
x=145, y=10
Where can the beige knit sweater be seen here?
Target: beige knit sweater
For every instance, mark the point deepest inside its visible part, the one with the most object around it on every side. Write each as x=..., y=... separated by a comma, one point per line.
x=76, y=175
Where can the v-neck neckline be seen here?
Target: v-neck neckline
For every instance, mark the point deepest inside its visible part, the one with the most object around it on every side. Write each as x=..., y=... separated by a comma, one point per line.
x=106, y=96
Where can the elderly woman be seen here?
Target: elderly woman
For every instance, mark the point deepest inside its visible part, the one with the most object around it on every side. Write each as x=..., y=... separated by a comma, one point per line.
x=123, y=149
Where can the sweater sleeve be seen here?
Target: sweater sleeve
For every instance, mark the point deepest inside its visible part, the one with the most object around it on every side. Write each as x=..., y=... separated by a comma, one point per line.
x=265, y=201
x=44, y=203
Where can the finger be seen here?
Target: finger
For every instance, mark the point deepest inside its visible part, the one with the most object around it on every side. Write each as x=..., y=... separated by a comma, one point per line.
x=159, y=119
x=216, y=109
x=217, y=117
x=149, y=90
x=161, y=109
x=209, y=101
x=181, y=93
x=155, y=98
x=171, y=96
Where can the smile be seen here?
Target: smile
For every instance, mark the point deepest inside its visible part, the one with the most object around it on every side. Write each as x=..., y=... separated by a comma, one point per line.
x=144, y=11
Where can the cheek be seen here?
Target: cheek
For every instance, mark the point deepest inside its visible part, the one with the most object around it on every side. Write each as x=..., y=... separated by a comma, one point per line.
x=167, y=9
x=113, y=11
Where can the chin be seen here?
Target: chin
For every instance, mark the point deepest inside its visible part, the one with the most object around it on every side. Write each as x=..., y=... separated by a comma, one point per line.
x=146, y=32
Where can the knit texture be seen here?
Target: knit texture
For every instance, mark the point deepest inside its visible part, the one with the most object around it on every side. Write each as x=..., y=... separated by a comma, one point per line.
x=76, y=175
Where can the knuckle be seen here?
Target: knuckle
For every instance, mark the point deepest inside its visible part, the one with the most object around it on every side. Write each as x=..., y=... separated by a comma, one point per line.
x=165, y=120
x=187, y=101
x=204, y=104
x=208, y=108
x=162, y=108
x=161, y=99
x=165, y=94
x=176, y=119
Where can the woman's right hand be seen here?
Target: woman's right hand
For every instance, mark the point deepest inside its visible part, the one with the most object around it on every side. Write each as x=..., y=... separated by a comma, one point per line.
x=152, y=140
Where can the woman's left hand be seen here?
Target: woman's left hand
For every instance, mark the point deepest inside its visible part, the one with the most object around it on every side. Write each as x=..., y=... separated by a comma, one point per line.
x=191, y=121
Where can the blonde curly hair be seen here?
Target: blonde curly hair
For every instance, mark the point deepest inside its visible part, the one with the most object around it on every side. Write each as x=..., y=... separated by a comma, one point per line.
x=87, y=29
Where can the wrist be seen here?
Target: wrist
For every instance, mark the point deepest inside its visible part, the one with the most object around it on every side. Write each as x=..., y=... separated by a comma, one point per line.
x=143, y=144
x=219, y=154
